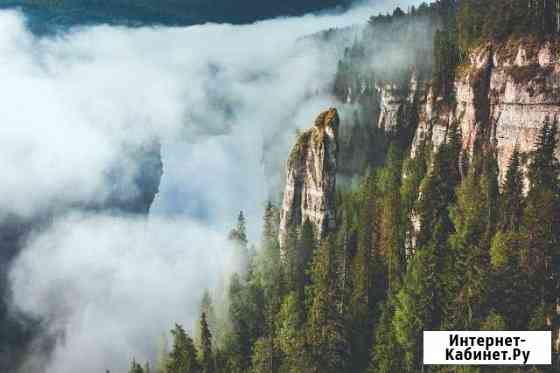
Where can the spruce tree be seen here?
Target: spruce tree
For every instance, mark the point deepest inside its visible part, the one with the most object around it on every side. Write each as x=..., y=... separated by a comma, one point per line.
x=511, y=206
x=247, y=318
x=391, y=242
x=386, y=355
x=511, y=290
x=540, y=222
x=272, y=276
x=438, y=190
x=135, y=367
x=238, y=237
x=183, y=355
x=264, y=359
x=326, y=330
x=205, y=350
x=418, y=304
x=368, y=275
x=467, y=264
x=207, y=308
x=291, y=338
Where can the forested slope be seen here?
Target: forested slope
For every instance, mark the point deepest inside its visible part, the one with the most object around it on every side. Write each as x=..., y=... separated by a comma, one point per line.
x=452, y=225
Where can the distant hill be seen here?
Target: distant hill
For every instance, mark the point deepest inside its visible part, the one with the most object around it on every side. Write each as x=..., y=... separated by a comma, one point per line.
x=45, y=16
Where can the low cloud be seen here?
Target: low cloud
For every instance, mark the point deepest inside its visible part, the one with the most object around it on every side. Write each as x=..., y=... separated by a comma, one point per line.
x=109, y=286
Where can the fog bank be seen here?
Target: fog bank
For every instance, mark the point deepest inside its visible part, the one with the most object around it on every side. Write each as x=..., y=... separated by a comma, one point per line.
x=219, y=98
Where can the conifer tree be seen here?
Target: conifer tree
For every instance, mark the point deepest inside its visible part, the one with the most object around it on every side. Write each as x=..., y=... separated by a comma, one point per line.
x=418, y=303
x=467, y=264
x=264, y=359
x=270, y=225
x=246, y=313
x=238, y=236
x=207, y=308
x=511, y=206
x=511, y=289
x=326, y=332
x=183, y=355
x=272, y=277
x=438, y=190
x=306, y=248
x=391, y=242
x=291, y=338
x=414, y=171
x=205, y=351
x=386, y=356
x=135, y=367
x=540, y=222
x=368, y=279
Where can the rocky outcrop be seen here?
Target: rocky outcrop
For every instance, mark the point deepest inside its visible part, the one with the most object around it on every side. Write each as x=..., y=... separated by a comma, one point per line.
x=505, y=94
x=389, y=103
x=311, y=178
x=397, y=103
x=376, y=113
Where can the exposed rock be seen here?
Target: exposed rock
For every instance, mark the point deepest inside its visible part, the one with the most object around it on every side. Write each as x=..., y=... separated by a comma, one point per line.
x=396, y=104
x=505, y=95
x=311, y=178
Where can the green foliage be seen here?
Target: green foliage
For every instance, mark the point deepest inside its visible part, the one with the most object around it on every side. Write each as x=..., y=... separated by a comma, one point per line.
x=438, y=190
x=264, y=359
x=498, y=20
x=207, y=308
x=183, y=355
x=353, y=302
x=135, y=367
x=423, y=243
x=446, y=60
x=247, y=318
x=206, y=357
x=540, y=221
x=291, y=338
x=512, y=290
x=494, y=322
x=416, y=305
x=386, y=346
x=467, y=266
x=326, y=332
x=239, y=233
x=511, y=208
x=391, y=239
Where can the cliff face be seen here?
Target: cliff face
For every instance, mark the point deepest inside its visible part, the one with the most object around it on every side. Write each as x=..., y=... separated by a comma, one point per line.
x=397, y=103
x=505, y=94
x=376, y=113
x=311, y=178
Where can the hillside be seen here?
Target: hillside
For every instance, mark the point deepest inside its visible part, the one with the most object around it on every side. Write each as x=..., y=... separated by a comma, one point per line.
x=450, y=130
x=47, y=16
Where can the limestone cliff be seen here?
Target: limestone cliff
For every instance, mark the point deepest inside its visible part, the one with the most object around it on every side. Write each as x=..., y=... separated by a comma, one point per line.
x=397, y=103
x=311, y=178
x=505, y=94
